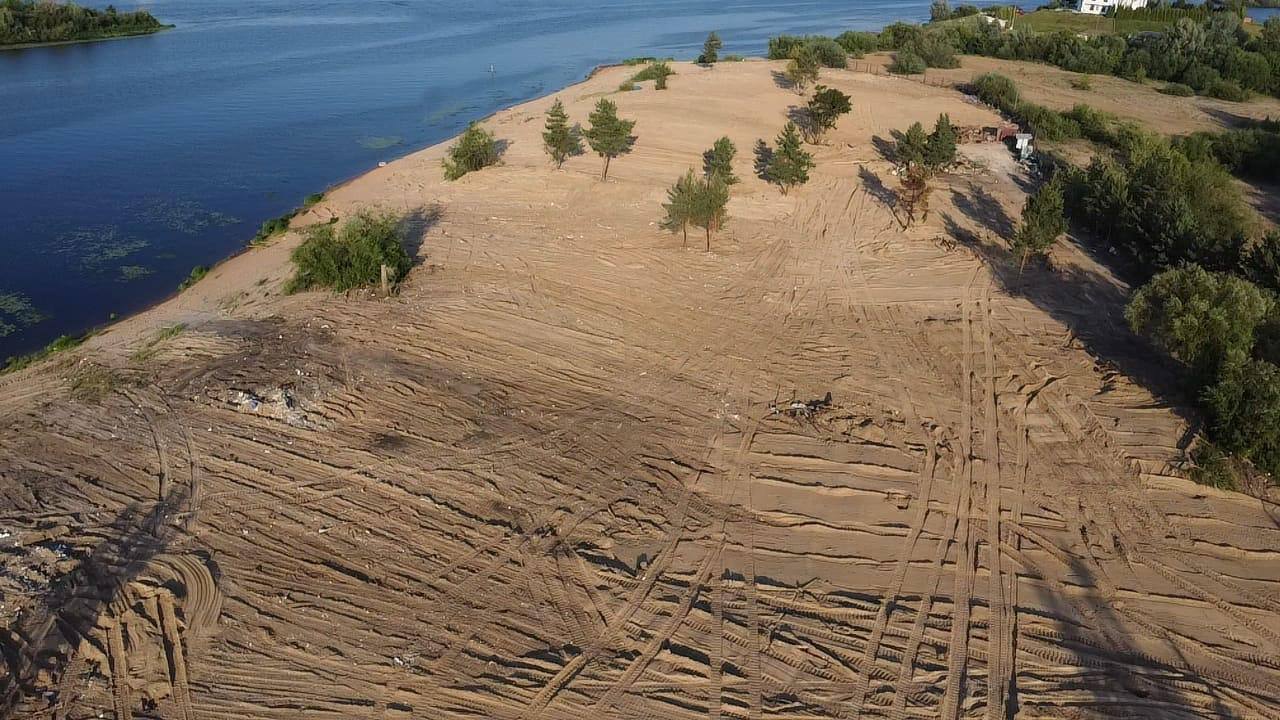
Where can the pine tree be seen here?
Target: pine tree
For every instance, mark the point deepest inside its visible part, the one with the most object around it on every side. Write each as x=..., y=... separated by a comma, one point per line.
x=825, y=109
x=718, y=161
x=609, y=136
x=940, y=150
x=710, y=50
x=680, y=205
x=476, y=149
x=790, y=164
x=1043, y=221
x=803, y=67
x=561, y=140
x=912, y=145
x=711, y=196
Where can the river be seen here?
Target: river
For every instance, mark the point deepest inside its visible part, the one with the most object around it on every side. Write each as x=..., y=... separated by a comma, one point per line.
x=124, y=164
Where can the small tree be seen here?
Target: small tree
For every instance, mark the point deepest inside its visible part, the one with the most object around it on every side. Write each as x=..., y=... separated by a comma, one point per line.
x=561, y=139
x=911, y=146
x=711, y=197
x=803, y=67
x=789, y=164
x=681, y=198
x=1043, y=221
x=350, y=256
x=710, y=50
x=476, y=149
x=718, y=161
x=913, y=197
x=609, y=136
x=825, y=109
x=940, y=150
x=1207, y=320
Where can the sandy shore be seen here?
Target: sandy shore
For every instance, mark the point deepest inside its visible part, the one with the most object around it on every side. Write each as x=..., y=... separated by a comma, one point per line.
x=550, y=477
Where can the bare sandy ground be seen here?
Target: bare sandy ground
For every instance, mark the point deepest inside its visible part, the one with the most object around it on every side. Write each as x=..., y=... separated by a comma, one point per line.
x=547, y=480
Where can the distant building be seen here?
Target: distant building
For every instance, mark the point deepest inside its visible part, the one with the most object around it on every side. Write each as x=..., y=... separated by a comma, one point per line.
x=1100, y=7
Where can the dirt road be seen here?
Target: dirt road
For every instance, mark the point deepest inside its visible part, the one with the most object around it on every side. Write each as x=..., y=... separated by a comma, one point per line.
x=549, y=479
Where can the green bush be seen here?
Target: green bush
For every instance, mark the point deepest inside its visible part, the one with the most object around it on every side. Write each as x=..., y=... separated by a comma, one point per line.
x=475, y=150
x=273, y=227
x=197, y=274
x=63, y=342
x=828, y=52
x=1178, y=90
x=658, y=71
x=1245, y=407
x=997, y=91
x=857, y=44
x=1213, y=467
x=906, y=62
x=1227, y=90
x=352, y=256
x=1047, y=124
x=934, y=50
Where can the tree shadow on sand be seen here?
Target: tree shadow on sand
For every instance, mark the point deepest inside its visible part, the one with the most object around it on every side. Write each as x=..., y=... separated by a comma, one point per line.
x=39, y=642
x=1088, y=303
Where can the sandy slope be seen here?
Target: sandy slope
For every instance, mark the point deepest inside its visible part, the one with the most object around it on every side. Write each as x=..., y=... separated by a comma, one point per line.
x=546, y=481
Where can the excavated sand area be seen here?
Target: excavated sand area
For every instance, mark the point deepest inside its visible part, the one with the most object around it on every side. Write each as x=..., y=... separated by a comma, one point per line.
x=551, y=478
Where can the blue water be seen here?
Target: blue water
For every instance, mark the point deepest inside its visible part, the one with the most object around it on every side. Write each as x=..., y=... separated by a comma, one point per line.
x=124, y=164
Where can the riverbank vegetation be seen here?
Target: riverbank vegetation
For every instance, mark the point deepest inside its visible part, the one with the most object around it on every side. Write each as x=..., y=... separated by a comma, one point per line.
x=28, y=22
x=351, y=256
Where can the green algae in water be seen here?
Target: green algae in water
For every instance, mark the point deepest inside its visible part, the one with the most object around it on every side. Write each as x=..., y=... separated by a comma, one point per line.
x=16, y=313
x=98, y=248
x=380, y=143
x=185, y=216
x=134, y=272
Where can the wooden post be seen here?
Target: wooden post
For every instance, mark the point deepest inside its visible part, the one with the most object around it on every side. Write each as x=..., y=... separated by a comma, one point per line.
x=386, y=279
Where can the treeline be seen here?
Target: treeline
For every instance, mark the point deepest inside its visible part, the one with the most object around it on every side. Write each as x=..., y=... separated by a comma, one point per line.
x=1210, y=295
x=1214, y=57
x=29, y=21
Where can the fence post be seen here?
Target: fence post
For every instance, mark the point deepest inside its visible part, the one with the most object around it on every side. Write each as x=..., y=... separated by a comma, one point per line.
x=386, y=279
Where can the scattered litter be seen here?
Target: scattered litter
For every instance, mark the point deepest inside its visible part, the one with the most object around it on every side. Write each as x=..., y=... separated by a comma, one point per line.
x=801, y=408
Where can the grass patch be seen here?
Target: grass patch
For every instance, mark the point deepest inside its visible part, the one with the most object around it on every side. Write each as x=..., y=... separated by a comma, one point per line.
x=658, y=72
x=1214, y=468
x=639, y=61
x=197, y=274
x=92, y=383
x=151, y=347
x=351, y=256
x=61, y=344
x=733, y=58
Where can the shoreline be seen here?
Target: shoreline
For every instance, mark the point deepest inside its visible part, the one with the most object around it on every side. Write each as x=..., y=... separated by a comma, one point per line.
x=87, y=41
x=96, y=331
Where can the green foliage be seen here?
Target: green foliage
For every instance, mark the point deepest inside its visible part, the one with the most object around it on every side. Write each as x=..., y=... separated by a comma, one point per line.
x=825, y=51
x=609, y=136
x=825, y=108
x=906, y=62
x=997, y=91
x=1244, y=405
x=1043, y=221
x=351, y=256
x=1178, y=90
x=681, y=201
x=718, y=161
x=940, y=150
x=312, y=200
x=912, y=146
x=658, y=72
x=475, y=150
x=710, y=49
x=28, y=21
x=1207, y=320
x=645, y=60
x=1160, y=209
x=1083, y=82
x=196, y=275
x=710, y=203
x=1261, y=264
x=857, y=44
x=789, y=164
x=61, y=344
x=1251, y=152
x=1213, y=467
x=1227, y=90
x=803, y=67
x=560, y=139
x=696, y=201
x=273, y=227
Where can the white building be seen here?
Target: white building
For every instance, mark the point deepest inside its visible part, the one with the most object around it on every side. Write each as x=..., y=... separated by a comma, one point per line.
x=1099, y=7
